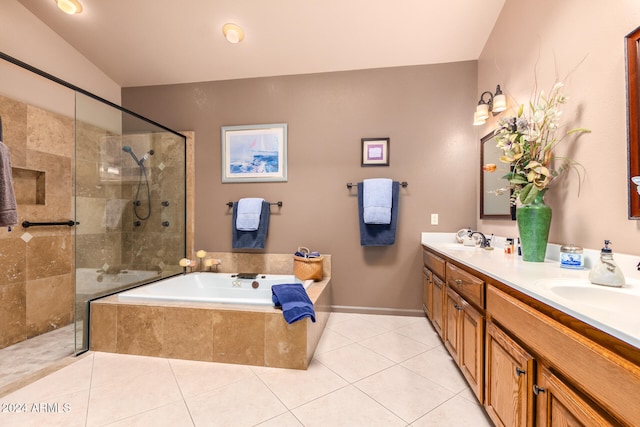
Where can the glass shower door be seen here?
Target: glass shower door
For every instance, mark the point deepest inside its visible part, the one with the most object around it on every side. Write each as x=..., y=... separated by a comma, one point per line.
x=129, y=204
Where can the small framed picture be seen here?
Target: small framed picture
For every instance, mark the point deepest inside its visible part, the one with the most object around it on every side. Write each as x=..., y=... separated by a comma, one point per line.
x=375, y=152
x=254, y=153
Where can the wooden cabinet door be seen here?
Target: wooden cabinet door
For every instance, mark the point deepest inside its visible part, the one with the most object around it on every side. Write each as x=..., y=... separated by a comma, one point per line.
x=508, y=380
x=438, y=290
x=452, y=314
x=427, y=293
x=471, y=352
x=559, y=405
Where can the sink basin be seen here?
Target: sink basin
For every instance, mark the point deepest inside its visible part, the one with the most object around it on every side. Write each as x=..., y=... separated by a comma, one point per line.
x=459, y=247
x=583, y=292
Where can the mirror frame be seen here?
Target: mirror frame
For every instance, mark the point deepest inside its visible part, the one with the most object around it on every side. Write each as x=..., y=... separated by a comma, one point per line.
x=632, y=48
x=512, y=209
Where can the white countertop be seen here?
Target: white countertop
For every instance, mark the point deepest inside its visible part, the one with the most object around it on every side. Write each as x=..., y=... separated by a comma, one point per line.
x=612, y=310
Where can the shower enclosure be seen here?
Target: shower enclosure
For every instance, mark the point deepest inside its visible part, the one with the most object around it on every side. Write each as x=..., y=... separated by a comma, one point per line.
x=112, y=182
x=129, y=204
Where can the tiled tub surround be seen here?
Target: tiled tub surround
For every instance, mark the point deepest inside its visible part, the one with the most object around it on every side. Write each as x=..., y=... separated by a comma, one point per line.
x=240, y=334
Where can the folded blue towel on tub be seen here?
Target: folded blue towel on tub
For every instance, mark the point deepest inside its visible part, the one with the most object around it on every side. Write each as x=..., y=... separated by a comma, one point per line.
x=294, y=301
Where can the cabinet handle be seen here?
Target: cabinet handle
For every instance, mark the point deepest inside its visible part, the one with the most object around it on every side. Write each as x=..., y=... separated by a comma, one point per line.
x=457, y=307
x=537, y=390
x=459, y=282
x=520, y=371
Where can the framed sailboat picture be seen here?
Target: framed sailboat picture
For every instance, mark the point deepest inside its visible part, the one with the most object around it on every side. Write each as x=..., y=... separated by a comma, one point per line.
x=254, y=153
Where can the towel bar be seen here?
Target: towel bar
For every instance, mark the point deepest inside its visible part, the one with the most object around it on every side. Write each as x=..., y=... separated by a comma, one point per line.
x=403, y=184
x=230, y=204
x=27, y=224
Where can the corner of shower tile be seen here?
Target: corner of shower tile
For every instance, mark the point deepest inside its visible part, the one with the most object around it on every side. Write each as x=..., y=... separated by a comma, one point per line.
x=103, y=327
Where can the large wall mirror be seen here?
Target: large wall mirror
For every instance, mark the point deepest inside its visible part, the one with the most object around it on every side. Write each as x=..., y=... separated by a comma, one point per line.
x=633, y=119
x=494, y=204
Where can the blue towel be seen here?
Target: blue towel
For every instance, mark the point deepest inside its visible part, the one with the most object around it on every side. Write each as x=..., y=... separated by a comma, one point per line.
x=294, y=301
x=376, y=200
x=250, y=239
x=249, y=210
x=379, y=234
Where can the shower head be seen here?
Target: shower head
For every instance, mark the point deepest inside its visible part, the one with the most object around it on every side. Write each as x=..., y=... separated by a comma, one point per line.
x=128, y=149
x=146, y=156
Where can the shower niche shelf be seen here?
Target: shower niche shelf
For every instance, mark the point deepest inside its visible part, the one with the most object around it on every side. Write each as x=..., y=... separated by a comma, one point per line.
x=29, y=186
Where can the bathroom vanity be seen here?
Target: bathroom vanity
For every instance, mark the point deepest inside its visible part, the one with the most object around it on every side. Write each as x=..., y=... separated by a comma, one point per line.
x=533, y=343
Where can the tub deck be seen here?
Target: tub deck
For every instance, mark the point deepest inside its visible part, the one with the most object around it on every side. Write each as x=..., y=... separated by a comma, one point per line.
x=207, y=331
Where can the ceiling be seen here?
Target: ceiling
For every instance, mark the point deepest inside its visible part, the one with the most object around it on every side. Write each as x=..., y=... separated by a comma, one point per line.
x=155, y=42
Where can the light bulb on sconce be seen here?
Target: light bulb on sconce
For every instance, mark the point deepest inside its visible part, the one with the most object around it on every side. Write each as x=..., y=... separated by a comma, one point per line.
x=636, y=181
x=495, y=104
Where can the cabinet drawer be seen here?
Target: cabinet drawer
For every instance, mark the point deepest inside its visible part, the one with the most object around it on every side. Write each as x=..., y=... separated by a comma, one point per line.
x=433, y=263
x=467, y=285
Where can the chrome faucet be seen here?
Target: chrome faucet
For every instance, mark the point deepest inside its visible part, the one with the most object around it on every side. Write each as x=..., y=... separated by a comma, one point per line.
x=484, y=243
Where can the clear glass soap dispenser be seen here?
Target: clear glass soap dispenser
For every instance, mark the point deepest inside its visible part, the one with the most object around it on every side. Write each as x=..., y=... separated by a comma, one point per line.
x=605, y=271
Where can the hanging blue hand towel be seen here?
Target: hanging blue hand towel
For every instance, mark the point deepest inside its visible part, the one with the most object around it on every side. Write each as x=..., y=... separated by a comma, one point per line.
x=377, y=200
x=249, y=212
x=294, y=301
x=378, y=234
x=250, y=239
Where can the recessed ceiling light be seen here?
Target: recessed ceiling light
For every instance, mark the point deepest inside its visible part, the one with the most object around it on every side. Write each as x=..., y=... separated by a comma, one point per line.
x=232, y=33
x=69, y=6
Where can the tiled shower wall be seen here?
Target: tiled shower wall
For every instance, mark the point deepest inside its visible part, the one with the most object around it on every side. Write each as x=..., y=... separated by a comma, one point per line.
x=36, y=264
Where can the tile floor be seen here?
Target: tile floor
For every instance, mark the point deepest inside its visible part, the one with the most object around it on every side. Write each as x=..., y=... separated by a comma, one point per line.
x=368, y=370
x=27, y=357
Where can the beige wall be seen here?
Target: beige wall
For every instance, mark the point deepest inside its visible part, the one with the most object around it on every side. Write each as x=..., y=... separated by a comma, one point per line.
x=25, y=37
x=535, y=41
x=433, y=148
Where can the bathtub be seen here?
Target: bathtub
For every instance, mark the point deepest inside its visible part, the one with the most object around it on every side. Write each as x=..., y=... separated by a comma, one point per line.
x=212, y=287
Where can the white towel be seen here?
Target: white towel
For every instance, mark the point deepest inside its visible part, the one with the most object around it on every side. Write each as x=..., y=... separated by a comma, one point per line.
x=249, y=210
x=377, y=200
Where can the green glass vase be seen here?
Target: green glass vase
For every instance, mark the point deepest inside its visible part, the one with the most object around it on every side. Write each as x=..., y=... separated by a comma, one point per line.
x=534, y=221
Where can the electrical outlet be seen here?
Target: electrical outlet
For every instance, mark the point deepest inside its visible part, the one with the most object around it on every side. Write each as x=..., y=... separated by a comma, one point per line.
x=434, y=219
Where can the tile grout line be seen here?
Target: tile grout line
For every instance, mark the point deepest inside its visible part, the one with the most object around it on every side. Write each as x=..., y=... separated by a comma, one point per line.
x=184, y=399
x=86, y=412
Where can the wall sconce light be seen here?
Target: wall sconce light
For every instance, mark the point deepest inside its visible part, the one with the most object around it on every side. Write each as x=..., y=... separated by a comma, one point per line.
x=636, y=181
x=233, y=33
x=70, y=7
x=496, y=104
